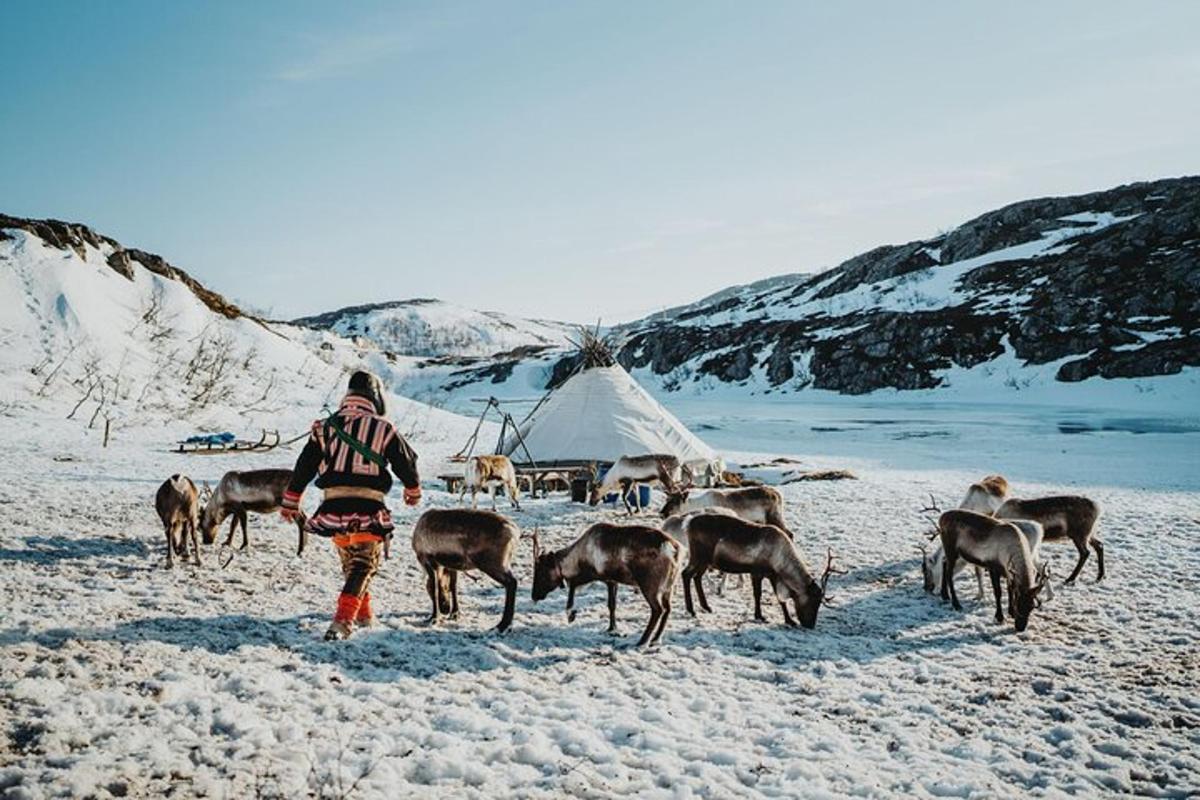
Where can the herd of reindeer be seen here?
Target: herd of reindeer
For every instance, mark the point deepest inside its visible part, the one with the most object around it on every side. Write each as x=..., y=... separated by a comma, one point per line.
x=738, y=531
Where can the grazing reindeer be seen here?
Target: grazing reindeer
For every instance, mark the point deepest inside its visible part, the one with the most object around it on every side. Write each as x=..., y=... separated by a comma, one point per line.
x=1000, y=548
x=932, y=565
x=752, y=503
x=760, y=504
x=629, y=471
x=732, y=544
x=1063, y=517
x=490, y=471
x=177, y=503
x=984, y=497
x=634, y=555
x=449, y=541
x=675, y=525
x=260, y=491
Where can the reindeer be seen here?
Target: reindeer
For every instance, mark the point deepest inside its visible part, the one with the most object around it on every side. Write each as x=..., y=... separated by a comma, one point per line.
x=449, y=541
x=633, y=555
x=986, y=496
x=260, y=491
x=1000, y=548
x=177, y=503
x=629, y=471
x=490, y=471
x=1063, y=517
x=732, y=544
x=932, y=565
x=761, y=504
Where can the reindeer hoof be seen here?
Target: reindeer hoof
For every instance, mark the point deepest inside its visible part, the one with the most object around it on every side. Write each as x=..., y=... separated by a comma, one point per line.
x=570, y=616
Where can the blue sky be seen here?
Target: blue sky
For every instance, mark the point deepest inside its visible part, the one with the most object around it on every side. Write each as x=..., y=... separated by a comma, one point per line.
x=571, y=160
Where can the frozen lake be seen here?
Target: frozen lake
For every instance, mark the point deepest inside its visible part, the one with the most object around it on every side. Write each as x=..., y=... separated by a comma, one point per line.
x=1032, y=443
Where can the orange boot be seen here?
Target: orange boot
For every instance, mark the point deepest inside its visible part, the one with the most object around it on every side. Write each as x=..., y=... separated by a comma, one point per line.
x=343, y=619
x=365, y=617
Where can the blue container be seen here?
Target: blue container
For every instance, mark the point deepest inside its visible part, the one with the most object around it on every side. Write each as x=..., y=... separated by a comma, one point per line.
x=641, y=493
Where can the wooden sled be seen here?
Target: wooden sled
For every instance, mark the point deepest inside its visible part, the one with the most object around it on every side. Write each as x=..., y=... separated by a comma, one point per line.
x=268, y=441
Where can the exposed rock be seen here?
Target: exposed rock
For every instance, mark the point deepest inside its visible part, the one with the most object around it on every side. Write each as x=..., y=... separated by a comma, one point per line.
x=72, y=235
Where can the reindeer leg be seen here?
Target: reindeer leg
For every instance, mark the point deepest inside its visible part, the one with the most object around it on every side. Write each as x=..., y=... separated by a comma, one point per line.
x=995, y=573
x=704, y=606
x=756, y=581
x=190, y=528
x=665, y=601
x=951, y=559
x=453, y=593
x=656, y=612
x=612, y=607
x=979, y=581
x=512, y=496
x=431, y=586
x=492, y=494
x=232, y=530
x=1082, y=548
x=570, y=602
x=1098, y=546
x=169, y=532
x=787, y=615
x=503, y=575
x=624, y=489
x=241, y=520
x=463, y=493
x=688, y=574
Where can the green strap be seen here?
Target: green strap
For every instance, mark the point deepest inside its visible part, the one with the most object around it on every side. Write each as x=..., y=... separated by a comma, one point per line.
x=355, y=444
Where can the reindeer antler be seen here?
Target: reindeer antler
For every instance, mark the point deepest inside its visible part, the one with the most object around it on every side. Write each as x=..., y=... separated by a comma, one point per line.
x=932, y=508
x=829, y=570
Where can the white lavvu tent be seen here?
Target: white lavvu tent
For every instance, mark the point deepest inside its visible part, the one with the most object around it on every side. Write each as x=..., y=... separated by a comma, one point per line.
x=601, y=414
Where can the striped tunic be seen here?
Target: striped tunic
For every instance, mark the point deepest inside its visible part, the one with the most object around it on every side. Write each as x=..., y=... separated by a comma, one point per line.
x=336, y=464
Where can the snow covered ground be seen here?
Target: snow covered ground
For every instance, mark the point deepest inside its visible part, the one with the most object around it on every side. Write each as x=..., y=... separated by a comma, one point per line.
x=121, y=678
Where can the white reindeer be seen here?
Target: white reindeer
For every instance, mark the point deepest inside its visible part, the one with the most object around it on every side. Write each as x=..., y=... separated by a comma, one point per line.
x=490, y=472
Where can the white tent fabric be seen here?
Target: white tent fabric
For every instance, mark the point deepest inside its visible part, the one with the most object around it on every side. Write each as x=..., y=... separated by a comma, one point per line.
x=601, y=414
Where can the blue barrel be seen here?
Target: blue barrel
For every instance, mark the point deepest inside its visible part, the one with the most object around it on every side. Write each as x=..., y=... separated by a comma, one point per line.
x=640, y=492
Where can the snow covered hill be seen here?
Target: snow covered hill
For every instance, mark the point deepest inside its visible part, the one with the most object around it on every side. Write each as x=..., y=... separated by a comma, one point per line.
x=109, y=334
x=1050, y=298
x=427, y=327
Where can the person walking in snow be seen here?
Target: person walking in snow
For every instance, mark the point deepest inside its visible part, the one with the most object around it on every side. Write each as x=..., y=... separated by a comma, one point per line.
x=349, y=453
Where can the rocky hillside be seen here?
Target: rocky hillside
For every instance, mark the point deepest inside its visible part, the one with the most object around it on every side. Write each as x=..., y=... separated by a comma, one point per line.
x=428, y=328
x=1100, y=285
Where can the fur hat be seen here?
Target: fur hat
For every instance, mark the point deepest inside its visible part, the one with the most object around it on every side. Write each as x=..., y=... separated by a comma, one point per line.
x=364, y=384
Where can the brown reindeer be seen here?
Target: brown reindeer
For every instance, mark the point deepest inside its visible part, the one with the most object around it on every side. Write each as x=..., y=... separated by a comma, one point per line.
x=633, y=555
x=487, y=472
x=998, y=547
x=629, y=471
x=260, y=491
x=761, y=504
x=735, y=545
x=1064, y=517
x=449, y=541
x=177, y=503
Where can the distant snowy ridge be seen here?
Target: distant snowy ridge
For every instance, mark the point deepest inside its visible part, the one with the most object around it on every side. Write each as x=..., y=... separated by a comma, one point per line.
x=428, y=327
x=1042, y=294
